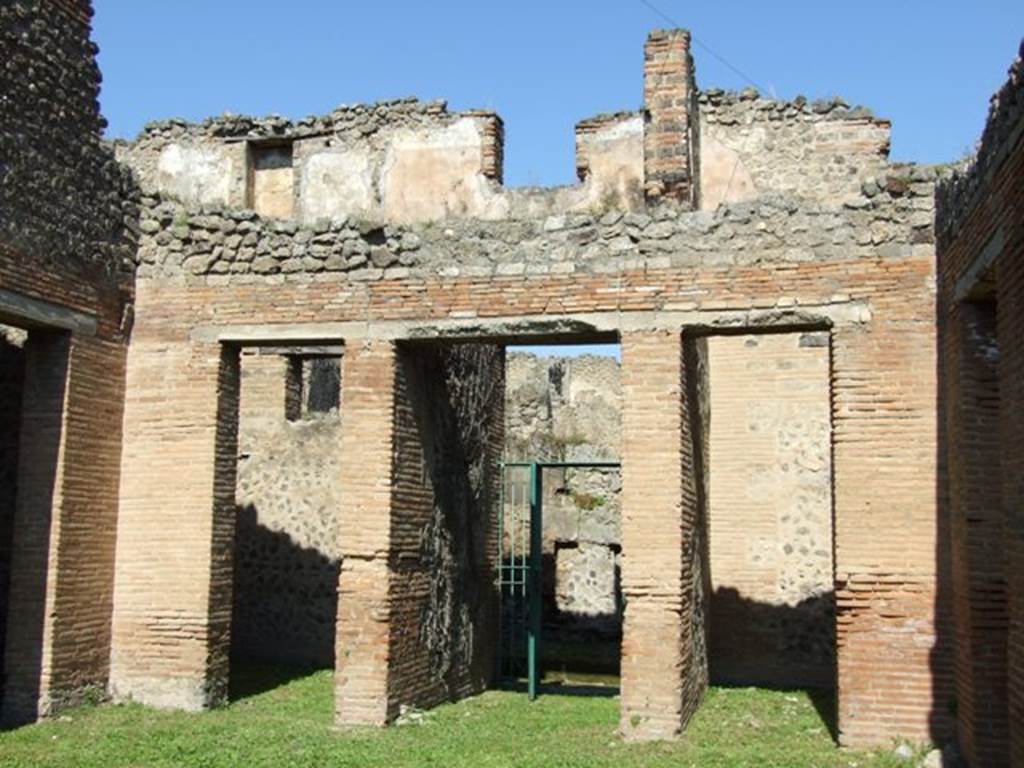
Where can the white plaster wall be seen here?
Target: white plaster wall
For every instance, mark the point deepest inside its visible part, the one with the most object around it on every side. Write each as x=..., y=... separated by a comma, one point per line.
x=201, y=174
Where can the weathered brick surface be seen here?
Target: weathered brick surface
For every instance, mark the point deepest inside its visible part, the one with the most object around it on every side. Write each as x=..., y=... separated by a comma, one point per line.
x=980, y=226
x=664, y=663
x=670, y=103
x=417, y=607
x=170, y=642
x=864, y=269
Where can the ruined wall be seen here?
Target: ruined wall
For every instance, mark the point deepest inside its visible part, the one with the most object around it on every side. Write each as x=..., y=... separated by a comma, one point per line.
x=287, y=536
x=67, y=236
x=401, y=160
x=981, y=318
x=862, y=267
x=821, y=150
x=772, y=607
x=223, y=246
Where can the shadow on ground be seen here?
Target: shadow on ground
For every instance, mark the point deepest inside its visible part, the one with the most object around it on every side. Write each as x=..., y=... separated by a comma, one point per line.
x=250, y=679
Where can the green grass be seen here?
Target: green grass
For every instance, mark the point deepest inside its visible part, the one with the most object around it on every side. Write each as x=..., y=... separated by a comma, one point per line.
x=290, y=725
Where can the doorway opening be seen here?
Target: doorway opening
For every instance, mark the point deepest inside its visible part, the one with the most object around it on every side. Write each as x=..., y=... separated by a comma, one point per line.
x=287, y=552
x=560, y=543
x=770, y=514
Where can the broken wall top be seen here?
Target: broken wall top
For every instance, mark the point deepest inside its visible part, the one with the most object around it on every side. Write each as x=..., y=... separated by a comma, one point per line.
x=1004, y=130
x=407, y=161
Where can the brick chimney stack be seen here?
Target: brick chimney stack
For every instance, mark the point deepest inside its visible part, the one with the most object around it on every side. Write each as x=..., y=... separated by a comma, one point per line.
x=669, y=110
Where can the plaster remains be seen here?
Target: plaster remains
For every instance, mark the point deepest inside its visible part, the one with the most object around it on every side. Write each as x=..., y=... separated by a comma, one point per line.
x=257, y=400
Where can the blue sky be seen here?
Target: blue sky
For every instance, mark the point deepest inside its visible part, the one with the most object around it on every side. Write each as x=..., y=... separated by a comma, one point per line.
x=929, y=66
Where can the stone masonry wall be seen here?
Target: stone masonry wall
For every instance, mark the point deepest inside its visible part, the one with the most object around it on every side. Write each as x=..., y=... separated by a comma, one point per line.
x=68, y=225
x=222, y=246
x=66, y=203
x=981, y=320
x=820, y=150
x=287, y=545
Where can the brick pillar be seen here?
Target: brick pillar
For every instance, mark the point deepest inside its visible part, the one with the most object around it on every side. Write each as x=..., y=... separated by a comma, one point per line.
x=367, y=442
x=670, y=112
x=416, y=607
x=664, y=662
x=172, y=600
x=979, y=580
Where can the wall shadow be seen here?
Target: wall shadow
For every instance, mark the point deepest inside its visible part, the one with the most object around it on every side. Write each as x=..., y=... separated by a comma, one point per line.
x=12, y=372
x=41, y=430
x=285, y=606
x=252, y=678
x=577, y=645
x=779, y=647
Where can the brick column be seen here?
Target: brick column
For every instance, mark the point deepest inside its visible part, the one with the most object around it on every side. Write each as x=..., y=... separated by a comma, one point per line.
x=670, y=111
x=664, y=663
x=367, y=442
x=417, y=609
x=172, y=600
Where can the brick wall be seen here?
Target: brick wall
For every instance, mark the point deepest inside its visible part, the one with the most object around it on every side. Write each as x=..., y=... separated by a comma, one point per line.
x=770, y=511
x=981, y=318
x=883, y=413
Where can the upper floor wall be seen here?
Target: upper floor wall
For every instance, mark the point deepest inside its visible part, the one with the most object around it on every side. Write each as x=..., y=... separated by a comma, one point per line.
x=408, y=161
x=65, y=204
x=822, y=151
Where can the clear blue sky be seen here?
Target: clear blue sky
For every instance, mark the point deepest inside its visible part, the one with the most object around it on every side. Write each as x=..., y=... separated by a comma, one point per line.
x=929, y=66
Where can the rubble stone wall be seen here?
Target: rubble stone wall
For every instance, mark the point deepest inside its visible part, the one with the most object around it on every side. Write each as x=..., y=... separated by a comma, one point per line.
x=770, y=522
x=821, y=150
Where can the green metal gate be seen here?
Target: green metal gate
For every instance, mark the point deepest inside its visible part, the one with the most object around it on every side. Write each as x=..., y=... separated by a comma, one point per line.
x=520, y=544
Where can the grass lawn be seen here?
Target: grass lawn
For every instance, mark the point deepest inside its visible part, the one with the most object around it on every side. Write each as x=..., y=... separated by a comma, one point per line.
x=290, y=725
